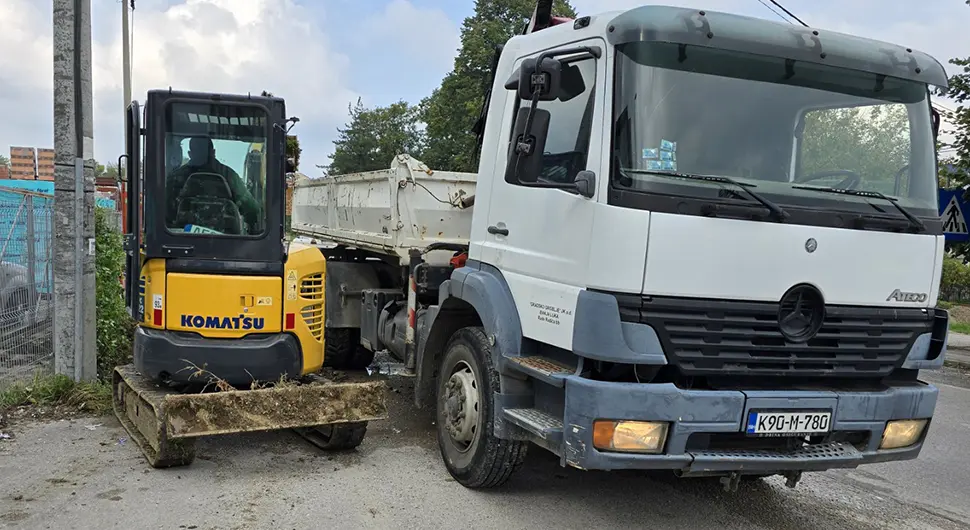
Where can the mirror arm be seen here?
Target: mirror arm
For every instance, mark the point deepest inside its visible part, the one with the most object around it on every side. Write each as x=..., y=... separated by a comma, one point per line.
x=523, y=146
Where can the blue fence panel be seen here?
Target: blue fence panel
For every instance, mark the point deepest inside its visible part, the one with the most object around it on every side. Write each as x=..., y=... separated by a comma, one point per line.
x=20, y=213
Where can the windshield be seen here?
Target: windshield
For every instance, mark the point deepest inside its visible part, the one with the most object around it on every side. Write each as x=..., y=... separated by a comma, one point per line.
x=778, y=125
x=215, y=171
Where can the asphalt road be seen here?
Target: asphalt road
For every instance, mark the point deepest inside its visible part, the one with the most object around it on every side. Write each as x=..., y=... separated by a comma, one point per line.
x=79, y=474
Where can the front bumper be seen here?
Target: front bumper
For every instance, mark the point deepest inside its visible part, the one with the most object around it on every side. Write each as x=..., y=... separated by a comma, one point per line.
x=696, y=414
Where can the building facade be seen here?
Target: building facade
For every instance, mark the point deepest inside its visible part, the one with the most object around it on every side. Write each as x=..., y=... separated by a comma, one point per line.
x=29, y=163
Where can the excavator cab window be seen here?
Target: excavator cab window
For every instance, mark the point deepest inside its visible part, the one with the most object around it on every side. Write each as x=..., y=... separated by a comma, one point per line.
x=206, y=194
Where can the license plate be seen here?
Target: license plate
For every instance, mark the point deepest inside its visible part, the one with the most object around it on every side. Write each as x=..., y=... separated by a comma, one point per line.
x=788, y=423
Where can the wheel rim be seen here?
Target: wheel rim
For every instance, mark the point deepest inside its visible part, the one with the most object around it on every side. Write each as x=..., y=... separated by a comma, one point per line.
x=462, y=407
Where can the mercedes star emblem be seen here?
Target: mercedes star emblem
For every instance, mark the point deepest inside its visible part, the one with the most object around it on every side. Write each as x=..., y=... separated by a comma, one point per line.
x=811, y=245
x=800, y=313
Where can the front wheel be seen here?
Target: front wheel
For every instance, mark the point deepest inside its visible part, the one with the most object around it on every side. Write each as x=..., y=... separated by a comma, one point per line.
x=465, y=385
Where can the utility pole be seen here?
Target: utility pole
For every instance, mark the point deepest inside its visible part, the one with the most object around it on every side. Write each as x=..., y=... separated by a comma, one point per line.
x=125, y=55
x=74, y=284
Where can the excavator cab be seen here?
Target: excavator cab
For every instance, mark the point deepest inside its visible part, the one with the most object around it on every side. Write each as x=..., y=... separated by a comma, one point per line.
x=198, y=150
x=220, y=301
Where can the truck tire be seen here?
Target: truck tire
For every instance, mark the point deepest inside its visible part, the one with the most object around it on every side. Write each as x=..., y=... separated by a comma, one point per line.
x=343, y=350
x=466, y=382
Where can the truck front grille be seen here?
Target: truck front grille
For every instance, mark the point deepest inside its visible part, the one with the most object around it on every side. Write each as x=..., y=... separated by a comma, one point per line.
x=721, y=337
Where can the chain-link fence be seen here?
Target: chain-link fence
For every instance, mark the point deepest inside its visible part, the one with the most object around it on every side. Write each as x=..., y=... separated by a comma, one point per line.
x=26, y=285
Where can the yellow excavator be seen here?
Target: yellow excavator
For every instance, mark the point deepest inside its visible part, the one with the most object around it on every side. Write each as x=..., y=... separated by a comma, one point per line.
x=230, y=316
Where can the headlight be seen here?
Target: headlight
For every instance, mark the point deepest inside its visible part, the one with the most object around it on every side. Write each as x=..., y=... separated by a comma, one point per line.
x=902, y=433
x=629, y=436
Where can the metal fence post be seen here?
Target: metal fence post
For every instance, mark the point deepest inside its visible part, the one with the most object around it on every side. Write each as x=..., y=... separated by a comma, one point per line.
x=31, y=258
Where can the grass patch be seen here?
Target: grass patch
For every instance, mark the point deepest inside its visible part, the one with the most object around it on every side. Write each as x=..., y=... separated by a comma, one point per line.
x=960, y=327
x=58, y=391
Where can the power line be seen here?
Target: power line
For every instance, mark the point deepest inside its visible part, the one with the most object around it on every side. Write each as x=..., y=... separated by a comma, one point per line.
x=789, y=13
x=769, y=8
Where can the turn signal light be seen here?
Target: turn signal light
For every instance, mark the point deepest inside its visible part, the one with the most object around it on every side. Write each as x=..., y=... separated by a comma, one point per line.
x=629, y=436
x=901, y=433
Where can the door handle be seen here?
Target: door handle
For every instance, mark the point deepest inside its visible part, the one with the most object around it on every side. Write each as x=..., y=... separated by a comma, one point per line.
x=498, y=231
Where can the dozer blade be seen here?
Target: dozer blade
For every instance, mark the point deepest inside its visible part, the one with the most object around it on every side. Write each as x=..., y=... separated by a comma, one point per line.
x=164, y=423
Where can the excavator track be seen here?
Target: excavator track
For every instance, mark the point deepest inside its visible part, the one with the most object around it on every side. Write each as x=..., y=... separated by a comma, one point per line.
x=164, y=423
x=139, y=404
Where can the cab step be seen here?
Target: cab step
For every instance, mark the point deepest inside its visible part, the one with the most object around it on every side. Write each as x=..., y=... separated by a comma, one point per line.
x=543, y=369
x=542, y=424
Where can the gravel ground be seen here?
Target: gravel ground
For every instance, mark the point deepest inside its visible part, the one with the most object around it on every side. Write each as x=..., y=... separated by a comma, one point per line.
x=82, y=473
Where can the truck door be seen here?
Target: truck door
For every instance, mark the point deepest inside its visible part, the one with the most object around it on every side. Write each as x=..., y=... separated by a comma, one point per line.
x=539, y=237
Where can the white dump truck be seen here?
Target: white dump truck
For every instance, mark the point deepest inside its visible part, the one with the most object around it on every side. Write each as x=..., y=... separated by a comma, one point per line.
x=672, y=255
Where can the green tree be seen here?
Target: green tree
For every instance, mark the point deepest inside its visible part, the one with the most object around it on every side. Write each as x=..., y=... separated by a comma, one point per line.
x=110, y=170
x=293, y=150
x=374, y=136
x=452, y=109
x=4, y=161
x=956, y=168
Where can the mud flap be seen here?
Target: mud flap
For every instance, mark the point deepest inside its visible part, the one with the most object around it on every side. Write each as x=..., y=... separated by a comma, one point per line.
x=164, y=422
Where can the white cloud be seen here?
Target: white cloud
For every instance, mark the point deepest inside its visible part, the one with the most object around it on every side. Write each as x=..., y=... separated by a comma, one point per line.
x=238, y=46
x=207, y=45
x=26, y=74
x=304, y=54
x=234, y=46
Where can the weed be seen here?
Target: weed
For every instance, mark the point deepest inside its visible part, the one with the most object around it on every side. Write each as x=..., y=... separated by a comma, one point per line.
x=58, y=391
x=212, y=379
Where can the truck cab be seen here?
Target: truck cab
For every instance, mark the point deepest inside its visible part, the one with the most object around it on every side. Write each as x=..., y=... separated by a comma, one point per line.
x=700, y=242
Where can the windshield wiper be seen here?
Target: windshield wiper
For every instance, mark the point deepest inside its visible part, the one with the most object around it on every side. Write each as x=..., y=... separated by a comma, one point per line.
x=913, y=220
x=776, y=211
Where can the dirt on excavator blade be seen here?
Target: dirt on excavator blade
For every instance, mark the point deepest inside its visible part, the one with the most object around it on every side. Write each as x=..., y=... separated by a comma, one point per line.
x=164, y=422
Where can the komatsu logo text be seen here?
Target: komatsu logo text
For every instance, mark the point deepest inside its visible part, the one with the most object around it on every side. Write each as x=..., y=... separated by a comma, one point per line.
x=210, y=322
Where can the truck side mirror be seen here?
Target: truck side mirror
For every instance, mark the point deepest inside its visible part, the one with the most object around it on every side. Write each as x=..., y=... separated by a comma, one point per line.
x=544, y=81
x=586, y=183
x=527, y=145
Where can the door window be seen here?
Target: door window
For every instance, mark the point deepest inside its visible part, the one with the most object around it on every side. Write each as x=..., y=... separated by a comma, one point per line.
x=567, y=142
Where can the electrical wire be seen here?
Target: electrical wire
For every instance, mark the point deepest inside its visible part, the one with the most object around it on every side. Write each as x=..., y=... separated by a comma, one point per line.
x=432, y=194
x=787, y=12
x=769, y=8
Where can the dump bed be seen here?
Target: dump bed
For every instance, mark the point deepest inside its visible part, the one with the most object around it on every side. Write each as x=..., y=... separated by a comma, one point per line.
x=388, y=211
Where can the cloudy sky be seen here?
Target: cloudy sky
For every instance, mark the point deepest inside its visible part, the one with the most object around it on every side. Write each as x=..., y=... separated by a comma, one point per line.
x=321, y=55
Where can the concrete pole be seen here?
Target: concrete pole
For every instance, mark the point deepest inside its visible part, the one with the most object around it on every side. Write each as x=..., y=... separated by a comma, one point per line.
x=74, y=285
x=125, y=55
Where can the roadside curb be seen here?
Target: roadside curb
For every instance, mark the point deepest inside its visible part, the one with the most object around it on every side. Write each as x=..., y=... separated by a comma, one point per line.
x=961, y=360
